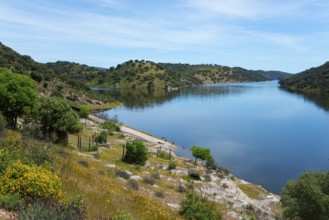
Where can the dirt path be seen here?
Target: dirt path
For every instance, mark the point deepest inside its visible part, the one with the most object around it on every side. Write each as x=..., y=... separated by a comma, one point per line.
x=138, y=134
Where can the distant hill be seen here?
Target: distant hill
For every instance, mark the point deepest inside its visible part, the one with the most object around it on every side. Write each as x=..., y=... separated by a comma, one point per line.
x=133, y=74
x=314, y=80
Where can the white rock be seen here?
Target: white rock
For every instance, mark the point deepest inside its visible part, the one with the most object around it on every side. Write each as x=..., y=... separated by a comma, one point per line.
x=110, y=165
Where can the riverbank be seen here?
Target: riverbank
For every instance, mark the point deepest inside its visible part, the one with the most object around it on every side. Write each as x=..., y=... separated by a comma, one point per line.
x=138, y=134
x=236, y=198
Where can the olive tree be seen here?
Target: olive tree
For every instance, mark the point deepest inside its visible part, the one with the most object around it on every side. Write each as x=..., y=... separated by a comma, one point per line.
x=56, y=117
x=17, y=96
x=201, y=153
x=307, y=198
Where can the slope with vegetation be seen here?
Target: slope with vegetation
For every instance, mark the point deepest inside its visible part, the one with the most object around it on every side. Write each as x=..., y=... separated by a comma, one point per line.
x=314, y=80
x=73, y=81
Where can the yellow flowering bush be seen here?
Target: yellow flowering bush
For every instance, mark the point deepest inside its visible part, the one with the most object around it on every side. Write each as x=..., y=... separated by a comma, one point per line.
x=31, y=181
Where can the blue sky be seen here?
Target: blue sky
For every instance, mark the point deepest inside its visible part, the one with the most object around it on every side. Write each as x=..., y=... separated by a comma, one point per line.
x=270, y=34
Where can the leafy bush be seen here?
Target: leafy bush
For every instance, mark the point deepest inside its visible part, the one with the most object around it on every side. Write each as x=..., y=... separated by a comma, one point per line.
x=110, y=126
x=307, y=197
x=29, y=181
x=52, y=209
x=10, y=202
x=164, y=155
x=101, y=138
x=171, y=165
x=136, y=153
x=197, y=207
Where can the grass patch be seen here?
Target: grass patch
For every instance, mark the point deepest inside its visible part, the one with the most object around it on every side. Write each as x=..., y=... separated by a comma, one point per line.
x=252, y=191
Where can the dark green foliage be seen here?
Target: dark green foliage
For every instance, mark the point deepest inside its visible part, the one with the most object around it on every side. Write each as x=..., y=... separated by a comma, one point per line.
x=17, y=96
x=201, y=153
x=101, y=137
x=84, y=113
x=133, y=184
x=110, y=126
x=171, y=165
x=136, y=153
x=164, y=155
x=10, y=202
x=195, y=207
x=307, y=198
x=45, y=210
x=56, y=117
x=314, y=80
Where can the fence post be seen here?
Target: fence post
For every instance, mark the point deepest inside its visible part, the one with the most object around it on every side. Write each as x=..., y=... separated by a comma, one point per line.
x=169, y=154
x=78, y=141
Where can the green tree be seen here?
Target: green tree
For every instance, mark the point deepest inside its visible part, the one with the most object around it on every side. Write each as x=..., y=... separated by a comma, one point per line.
x=56, y=117
x=84, y=113
x=17, y=96
x=201, y=153
x=136, y=152
x=195, y=207
x=307, y=198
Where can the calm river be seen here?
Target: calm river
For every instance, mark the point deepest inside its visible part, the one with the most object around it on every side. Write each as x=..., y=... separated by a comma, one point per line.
x=258, y=131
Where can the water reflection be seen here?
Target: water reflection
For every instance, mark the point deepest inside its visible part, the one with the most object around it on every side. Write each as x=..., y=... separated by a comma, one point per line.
x=258, y=131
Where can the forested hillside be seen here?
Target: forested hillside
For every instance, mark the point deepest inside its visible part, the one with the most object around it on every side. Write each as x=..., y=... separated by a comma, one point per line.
x=314, y=80
x=67, y=79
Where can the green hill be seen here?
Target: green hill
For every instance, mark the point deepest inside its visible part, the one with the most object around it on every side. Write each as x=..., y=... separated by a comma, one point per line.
x=314, y=80
x=71, y=78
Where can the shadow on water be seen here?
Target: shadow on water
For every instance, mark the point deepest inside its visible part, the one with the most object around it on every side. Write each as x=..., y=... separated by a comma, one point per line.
x=320, y=100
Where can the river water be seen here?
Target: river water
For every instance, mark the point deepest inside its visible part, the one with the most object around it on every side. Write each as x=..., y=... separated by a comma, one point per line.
x=258, y=131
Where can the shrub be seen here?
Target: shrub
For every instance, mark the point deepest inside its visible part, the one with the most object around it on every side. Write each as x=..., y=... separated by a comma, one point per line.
x=10, y=202
x=307, y=197
x=110, y=126
x=52, y=209
x=164, y=155
x=136, y=153
x=171, y=165
x=133, y=184
x=197, y=207
x=101, y=138
x=149, y=180
x=123, y=174
x=29, y=181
